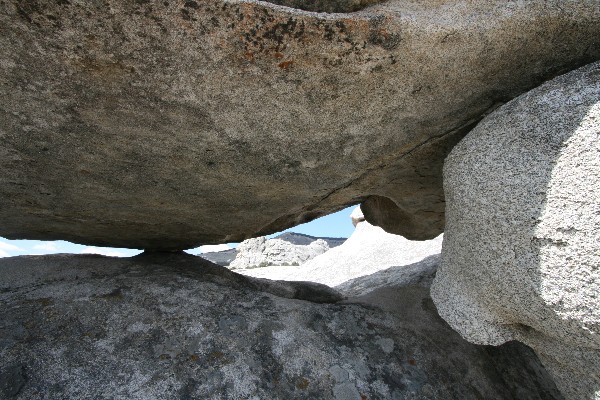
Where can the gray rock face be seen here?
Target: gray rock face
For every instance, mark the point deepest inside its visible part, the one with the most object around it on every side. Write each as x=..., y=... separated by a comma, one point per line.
x=262, y=252
x=520, y=253
x=165, y=327
x=166, y=125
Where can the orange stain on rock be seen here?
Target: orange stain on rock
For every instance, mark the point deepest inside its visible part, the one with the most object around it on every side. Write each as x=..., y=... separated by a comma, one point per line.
x=285, y=64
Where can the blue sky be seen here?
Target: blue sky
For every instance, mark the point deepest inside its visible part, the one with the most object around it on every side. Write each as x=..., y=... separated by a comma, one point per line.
x=337, y=224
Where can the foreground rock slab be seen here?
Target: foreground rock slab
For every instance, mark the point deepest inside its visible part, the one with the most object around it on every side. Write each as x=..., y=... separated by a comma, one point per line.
x=520, y=256
x=166, y=125
x=164, y=327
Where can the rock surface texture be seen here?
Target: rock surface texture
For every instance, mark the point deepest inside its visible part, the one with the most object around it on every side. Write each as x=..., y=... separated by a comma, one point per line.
x=262, y=252
x=520, y=255
x=165, y=327
x=166, y=125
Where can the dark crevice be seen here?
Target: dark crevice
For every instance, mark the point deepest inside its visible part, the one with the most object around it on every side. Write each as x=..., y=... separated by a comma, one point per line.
x=327, y=6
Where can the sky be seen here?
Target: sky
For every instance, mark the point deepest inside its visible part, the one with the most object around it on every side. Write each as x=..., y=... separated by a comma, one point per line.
x=337, y=224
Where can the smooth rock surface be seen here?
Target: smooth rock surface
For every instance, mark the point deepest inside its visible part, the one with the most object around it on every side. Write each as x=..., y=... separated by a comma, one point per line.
x=167, y=125
x=164, y=327
x=520, y=254
x=262, y=252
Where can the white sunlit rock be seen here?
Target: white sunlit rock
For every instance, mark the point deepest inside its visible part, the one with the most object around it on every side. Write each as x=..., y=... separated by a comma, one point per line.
x=521, y=255
x=368, y=250
x=263, y=252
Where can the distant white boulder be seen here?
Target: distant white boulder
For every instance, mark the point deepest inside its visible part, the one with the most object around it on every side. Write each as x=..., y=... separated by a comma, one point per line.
x=263, y=252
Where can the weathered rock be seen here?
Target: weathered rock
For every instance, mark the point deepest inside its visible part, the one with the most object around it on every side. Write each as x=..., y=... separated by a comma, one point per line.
x=262, y=252
x=520, y=257
x=164, y=327
x=166, y=125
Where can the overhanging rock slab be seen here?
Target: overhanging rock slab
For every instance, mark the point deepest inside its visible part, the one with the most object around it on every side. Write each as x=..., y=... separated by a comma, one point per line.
x=165, y=125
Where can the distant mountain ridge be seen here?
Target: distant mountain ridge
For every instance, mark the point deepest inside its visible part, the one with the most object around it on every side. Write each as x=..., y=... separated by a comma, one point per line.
x=225, y=257
x=222, y=258
x=303, y=239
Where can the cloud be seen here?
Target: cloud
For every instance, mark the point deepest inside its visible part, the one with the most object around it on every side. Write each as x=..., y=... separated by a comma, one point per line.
x=9, y=247
x=3, y=254
x=46, y=246
x=105, y=251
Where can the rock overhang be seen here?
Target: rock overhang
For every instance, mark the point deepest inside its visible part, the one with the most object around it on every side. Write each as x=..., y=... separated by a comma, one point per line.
x=169, y=125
